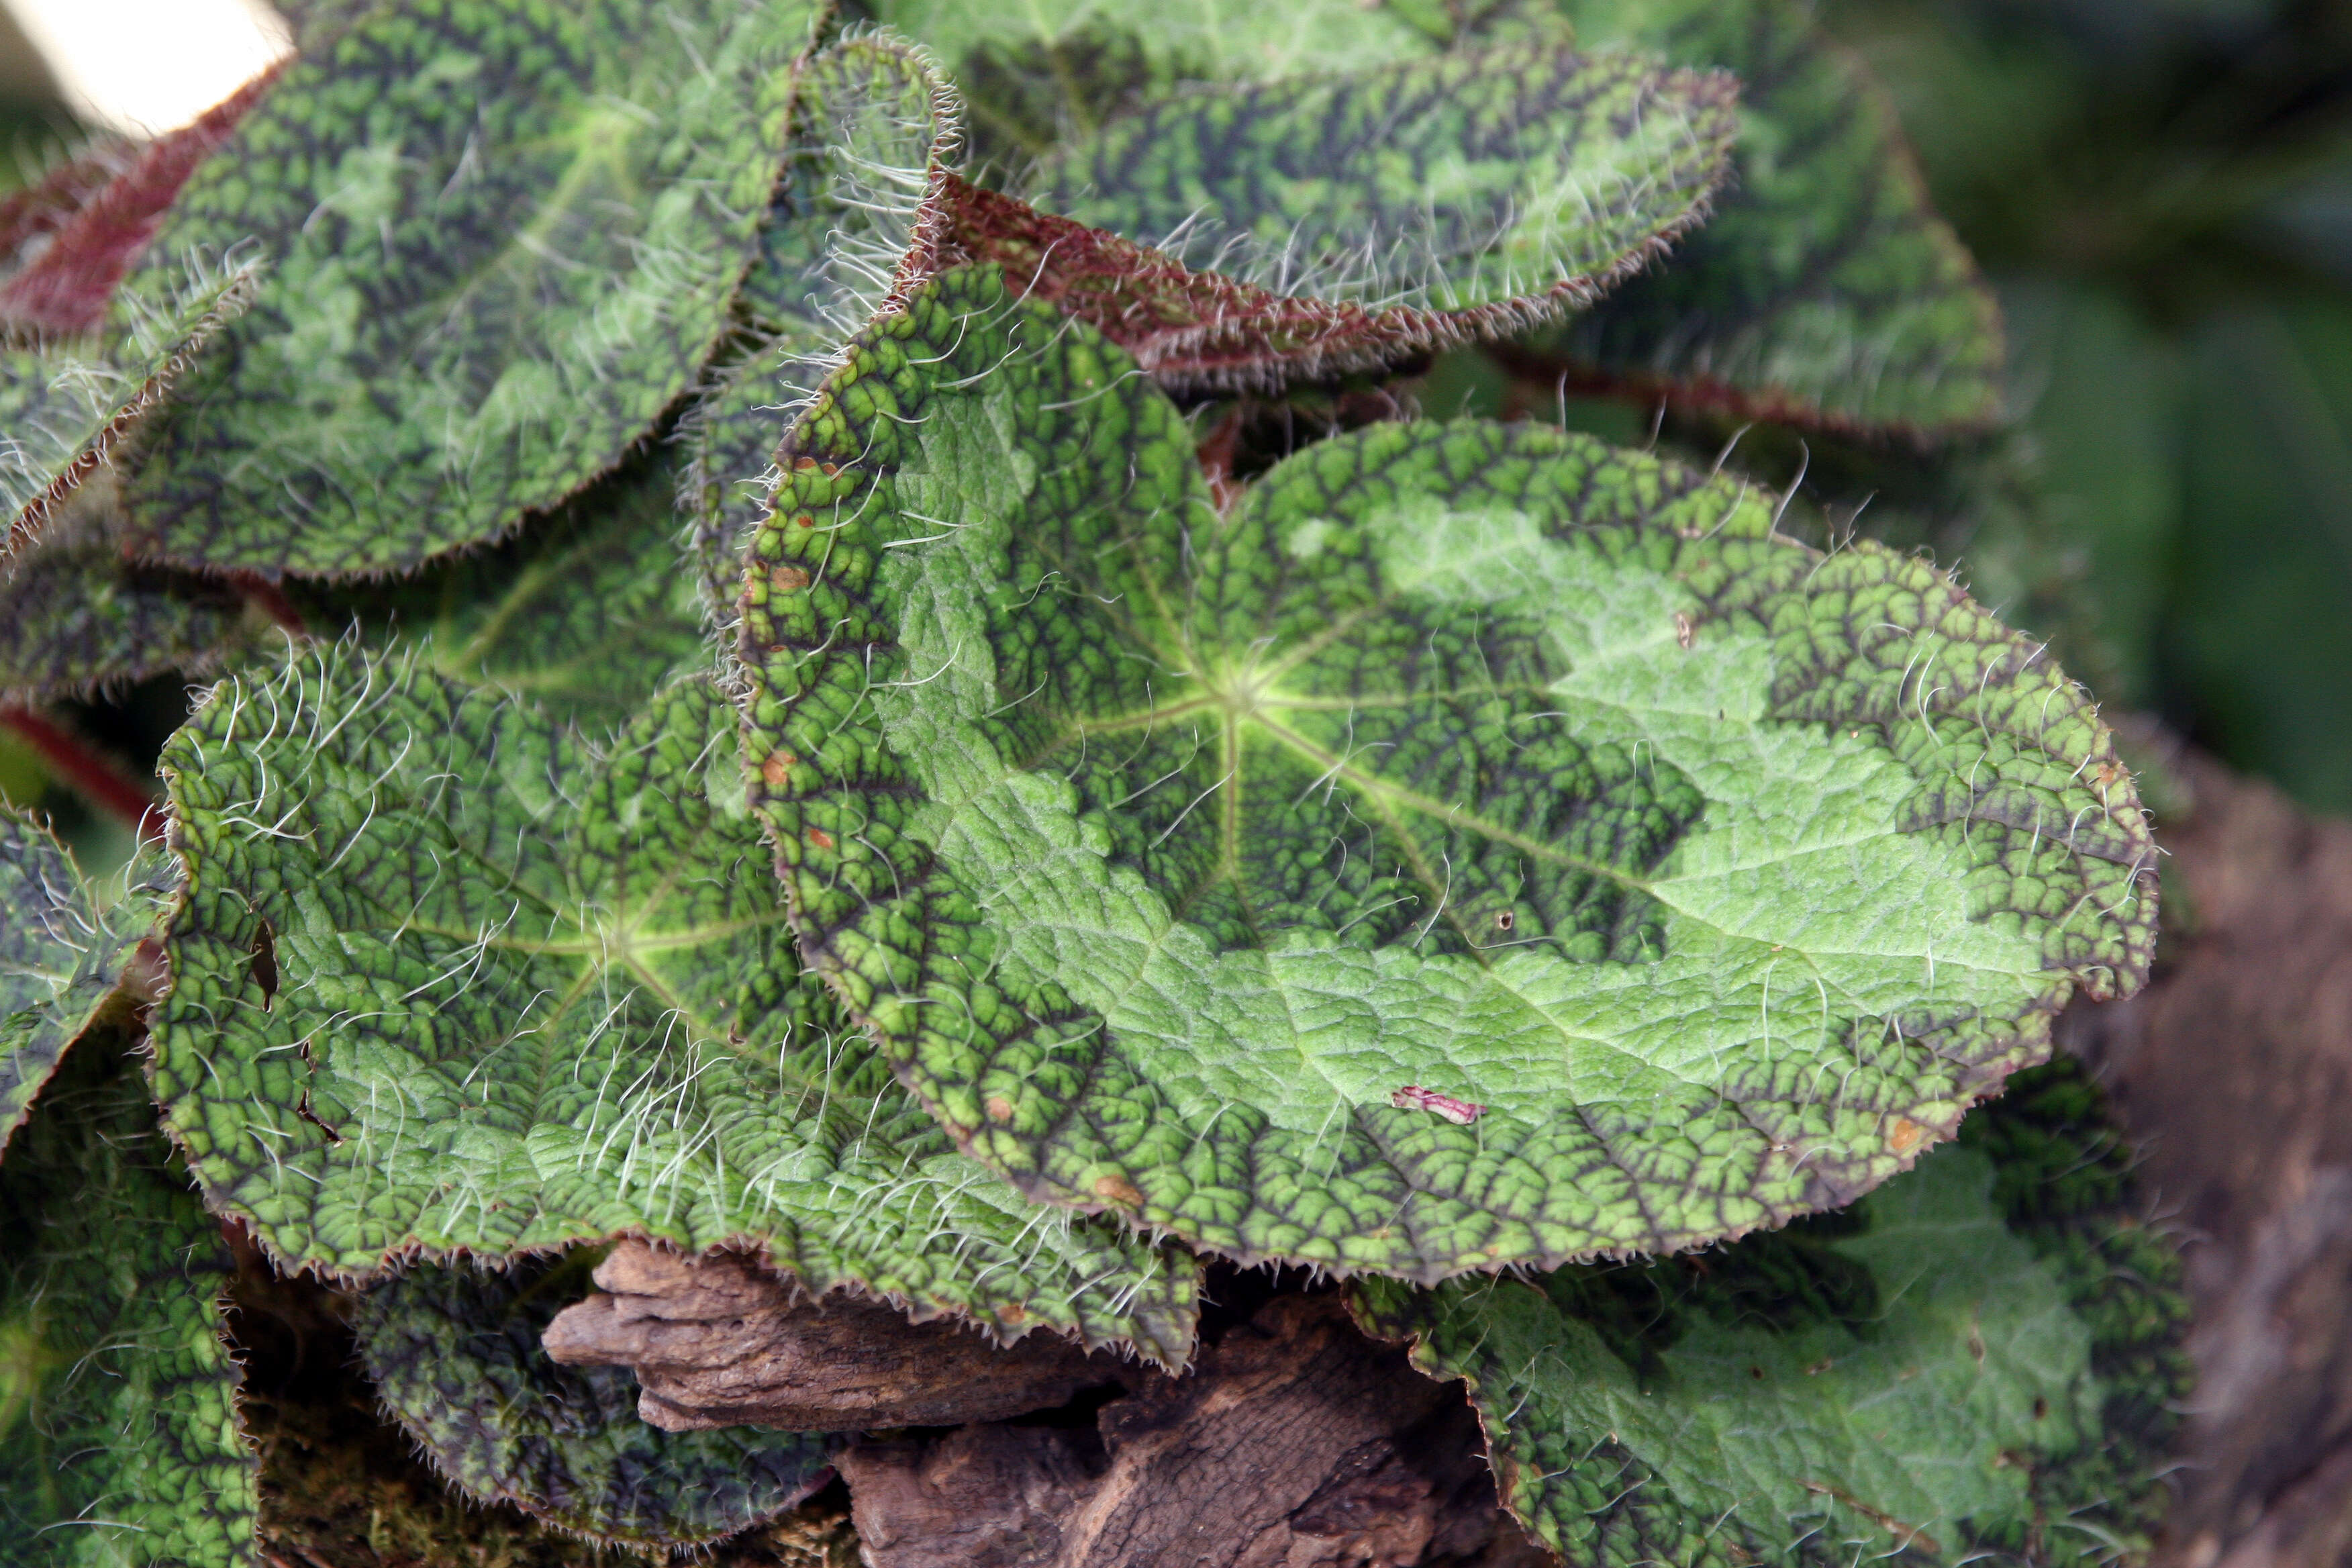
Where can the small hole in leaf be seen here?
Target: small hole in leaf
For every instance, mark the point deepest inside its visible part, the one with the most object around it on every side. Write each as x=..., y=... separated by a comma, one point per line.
x=2040, y=1408
x=264, y=965
x=1504, y=920
x=1757, y=1373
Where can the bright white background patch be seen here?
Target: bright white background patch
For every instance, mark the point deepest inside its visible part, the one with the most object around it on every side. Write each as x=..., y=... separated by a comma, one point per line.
x=149, y=65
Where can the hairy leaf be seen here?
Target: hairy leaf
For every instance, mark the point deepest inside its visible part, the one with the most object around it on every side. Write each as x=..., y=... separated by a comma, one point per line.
x=585, y=612
x=118, y=1431
x=1446, y=198
x=1824, y=290
x=456, y=1356
x=66, y=287
x=856, y=219
x=1040, y=72
x=64, y=406
x=1912, y=1377
x=1161, y=849
x=507, y=237
x=60, y=956
x=77, y=618
x=522, y=991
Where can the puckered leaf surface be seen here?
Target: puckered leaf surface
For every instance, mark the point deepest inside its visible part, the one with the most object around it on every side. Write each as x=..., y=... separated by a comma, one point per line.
x=64, y=406
x=857, y=218
x=1447, y=197
x=1920, y=1374
x=76, y=617
x=455, y=1353
x=522, y=991
x=117, y=1432
x=1824, y=289
x=61, y=955
x=1036, y=72
x=507, y=236
x=1160, y=849
x=586, y=612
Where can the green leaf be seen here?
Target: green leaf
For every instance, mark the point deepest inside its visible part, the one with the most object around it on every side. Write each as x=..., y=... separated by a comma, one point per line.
x=455, y=1353
x=79, y=617
x=524, y=991
x=1503, y=184
x=1824, y=290
x=585, y=612
x=1913, y=1376
x=874, y=130
x=61, y=952
x=117, y=1432
x=1038, y=71
x=1160, y=848
x=64, y=407
x=507, y=238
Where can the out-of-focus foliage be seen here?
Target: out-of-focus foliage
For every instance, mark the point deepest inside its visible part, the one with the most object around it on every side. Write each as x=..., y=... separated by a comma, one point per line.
x=2163, y=196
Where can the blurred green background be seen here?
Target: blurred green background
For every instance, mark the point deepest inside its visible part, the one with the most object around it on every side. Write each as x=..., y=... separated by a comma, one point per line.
x=2162, y=190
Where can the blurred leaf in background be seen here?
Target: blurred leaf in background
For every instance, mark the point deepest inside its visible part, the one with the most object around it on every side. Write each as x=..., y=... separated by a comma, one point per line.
x=2162, y=191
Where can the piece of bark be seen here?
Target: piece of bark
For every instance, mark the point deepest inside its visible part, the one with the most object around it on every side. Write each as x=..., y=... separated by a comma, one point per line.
x=2233, y=1069
x=1293, y=1442
x=719, y=1342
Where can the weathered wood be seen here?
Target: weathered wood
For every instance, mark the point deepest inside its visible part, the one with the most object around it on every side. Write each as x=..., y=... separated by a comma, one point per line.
x=718, y=1341
x=2234, y=1070
x=1293, y=1442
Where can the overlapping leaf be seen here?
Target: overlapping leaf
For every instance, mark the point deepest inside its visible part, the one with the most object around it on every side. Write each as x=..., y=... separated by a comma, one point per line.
x=64, y=406
x=1035, y=73
x=586, y=612
x=507, y=238
x=1161, y=849
x=79, y=617
x=455, y=1353
x=449, y=978
x=85, y=253
x=1913, y=1378
x=857, y=217
x=60, y=956
x=1824, y=289
x=118, y=1431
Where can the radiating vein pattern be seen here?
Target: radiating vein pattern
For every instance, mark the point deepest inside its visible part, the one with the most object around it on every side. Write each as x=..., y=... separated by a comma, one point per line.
x=450, y=976
x=1160, y=847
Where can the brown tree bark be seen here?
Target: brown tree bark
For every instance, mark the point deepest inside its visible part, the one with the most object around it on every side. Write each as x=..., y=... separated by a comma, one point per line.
x=2233, y=1069
x=1296, y=1442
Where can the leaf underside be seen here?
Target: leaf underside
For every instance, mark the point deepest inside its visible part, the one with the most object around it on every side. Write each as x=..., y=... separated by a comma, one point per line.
x=455, y=1353
x=67, y=287
x=531, y=991
x=1919, y=1376
x=505, y=239
x=1160, y=848
x=118, y=1433
x=1824, y=290
x=59, y=957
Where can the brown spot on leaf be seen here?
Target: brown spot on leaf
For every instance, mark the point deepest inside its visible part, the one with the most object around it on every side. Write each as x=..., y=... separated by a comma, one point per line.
x=1684, y=630
x=788, y=579
x=1118, y=1190
x=778, y=768
x=999, y=1107
x=1905, y=1135
x=820, y=838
